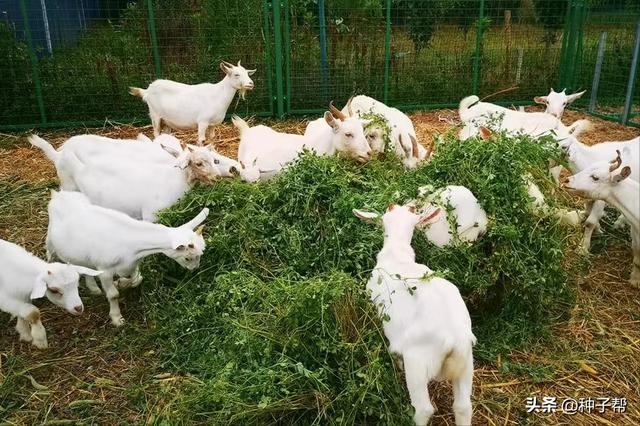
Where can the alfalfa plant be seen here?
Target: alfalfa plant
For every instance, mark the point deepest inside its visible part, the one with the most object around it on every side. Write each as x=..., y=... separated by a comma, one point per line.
x=276, y=325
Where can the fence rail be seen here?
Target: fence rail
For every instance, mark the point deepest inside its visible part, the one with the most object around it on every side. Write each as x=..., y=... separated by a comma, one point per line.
x=70, y=62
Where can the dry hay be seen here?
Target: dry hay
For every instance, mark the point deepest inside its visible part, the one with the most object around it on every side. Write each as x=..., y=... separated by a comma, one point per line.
x=596, y=353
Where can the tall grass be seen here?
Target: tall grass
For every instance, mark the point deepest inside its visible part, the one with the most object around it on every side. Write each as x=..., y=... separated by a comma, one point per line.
x=276, y=325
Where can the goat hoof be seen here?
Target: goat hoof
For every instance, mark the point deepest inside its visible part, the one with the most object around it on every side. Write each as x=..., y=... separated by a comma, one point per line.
x=40, y=344
x=117, y=321
x=26, y=338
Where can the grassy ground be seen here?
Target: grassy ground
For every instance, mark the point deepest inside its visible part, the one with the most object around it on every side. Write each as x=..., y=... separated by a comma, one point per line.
x=94, y=373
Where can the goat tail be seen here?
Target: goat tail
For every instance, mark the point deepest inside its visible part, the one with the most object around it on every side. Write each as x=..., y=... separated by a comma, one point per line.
x=45, y=146
x=580, y=126
x=240, y=124
x=465, y=104
x=136, y=91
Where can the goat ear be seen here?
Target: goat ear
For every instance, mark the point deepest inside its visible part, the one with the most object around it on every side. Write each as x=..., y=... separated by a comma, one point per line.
x=197, y=220
x=365, y=122
x=575, y=96
x=39, y=286
x=331, y=121
x=541, y=99
x=368, y=217
x=624, y=173
x=86, y=271
x=485, y=133
x=170, y=150
x=225, y=67
x=431, y=217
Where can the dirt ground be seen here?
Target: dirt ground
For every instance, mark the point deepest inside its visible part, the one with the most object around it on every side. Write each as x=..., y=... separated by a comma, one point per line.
x=82, y=378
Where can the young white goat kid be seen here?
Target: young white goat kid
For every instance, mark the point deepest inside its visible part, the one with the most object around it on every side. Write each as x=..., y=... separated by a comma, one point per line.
x=93, y=236
x=187, y=106
x=556, y=102
x=24, y=277
x=475, y=114
x=127, y=184
x=581, y=157
x=469, y=217
x=264, y=152
x=399, y=130
x=428, y=323
x=608, y=181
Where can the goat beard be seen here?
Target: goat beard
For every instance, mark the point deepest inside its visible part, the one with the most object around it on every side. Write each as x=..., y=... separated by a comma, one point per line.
x=242, y=93
x=194, y=175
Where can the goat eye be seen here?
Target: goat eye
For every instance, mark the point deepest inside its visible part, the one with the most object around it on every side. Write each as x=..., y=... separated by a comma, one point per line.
x=216, y=161
x=191, y=246
x=236, y=75
x=349, y=135
x=55, y=291
x=595, y=178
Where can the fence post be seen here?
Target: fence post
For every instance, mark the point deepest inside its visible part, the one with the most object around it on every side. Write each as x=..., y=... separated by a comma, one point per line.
x=277, y=32
x=597, y=72
x=632, y=78
x=154, y=38
x=35, y=72
x=266, y=35
x=324, y=67
x=287, y=55
x=387, y=50
x=564, y=52
x=476, y=62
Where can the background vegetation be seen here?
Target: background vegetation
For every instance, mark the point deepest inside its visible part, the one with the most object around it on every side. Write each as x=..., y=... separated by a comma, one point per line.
x=433, y=47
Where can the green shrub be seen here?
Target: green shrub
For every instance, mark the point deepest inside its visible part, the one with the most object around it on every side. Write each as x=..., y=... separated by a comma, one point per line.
x=276, y=324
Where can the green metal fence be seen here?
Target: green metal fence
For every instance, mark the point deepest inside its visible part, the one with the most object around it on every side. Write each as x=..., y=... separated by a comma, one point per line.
x=412, y=54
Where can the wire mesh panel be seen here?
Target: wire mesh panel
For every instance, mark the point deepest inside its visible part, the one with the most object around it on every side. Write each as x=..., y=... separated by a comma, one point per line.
x=433, y=49
x=86, y=53
x=68, y=62
x=521, y=48
x=614, y=25
x=334, y=49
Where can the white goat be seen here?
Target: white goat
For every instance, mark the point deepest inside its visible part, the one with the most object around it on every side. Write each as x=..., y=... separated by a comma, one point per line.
x=608, y=181
x=93, y=236
x=428, y=323
x=124, y=183
x=164, y=148
x=581, y=157
x=475, y=114
x=466, y=213
x=187, y=106
x=399, y=130
x=556, y=102
x=24, y=277
x=263, y=151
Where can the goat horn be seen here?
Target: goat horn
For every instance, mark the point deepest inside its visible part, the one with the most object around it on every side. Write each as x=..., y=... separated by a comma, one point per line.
x=227, y=64
x=615, y=163
x=414, y=146
x=349, y=107
x=336, y=112
x=238, y=62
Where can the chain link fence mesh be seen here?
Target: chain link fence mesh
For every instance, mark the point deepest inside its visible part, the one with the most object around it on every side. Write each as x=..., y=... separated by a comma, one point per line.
x=70, y=62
